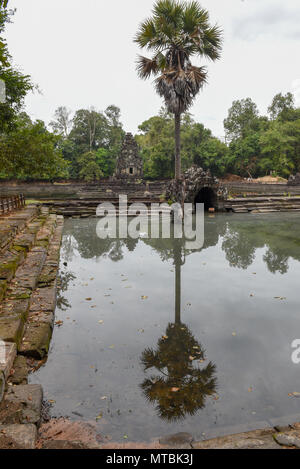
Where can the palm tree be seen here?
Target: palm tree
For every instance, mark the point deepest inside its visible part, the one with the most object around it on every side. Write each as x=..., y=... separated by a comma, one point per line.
x=176, y=32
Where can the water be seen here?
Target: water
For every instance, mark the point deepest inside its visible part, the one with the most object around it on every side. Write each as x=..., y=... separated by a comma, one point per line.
x=156, y=339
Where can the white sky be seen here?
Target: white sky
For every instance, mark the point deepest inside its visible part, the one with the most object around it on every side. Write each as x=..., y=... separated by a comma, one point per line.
x=81, y=54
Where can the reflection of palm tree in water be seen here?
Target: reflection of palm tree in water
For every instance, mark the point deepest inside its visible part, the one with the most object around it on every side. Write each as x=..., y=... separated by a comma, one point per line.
x=183, y=382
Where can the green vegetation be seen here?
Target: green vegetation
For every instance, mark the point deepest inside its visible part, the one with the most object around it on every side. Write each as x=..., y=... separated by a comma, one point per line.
x=85, y=145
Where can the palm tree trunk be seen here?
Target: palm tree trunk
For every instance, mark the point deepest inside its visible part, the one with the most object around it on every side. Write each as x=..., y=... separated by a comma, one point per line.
x=177, y=146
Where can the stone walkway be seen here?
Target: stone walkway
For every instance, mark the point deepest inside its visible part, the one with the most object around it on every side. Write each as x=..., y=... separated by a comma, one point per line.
x=30, y=242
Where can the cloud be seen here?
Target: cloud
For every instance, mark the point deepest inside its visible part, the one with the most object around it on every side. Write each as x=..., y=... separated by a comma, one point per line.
x=273, y=21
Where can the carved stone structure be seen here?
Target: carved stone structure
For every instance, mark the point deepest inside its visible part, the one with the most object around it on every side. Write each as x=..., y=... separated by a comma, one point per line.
x=197, y=186
x=129, y=164
x=294, y=180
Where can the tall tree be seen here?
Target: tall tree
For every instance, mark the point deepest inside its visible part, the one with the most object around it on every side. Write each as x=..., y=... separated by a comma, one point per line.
x=242, y=117
x=281, y=106
x=62, y=122
x=176, y=32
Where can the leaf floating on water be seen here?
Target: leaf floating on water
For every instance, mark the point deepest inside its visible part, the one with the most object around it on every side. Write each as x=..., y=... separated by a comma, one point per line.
x=165, y=337
x=51, y=401
x=251, y=294
x=280, y=297
x=174, y=389
x=103, y=398
x=294, y=394
x=125, y=437
x=141, y=330
x=216, y=397
x=111, y=346
x=101, y=321
x=234, y=334
x=59, y=323
x=99, y=417
x=144, y=297
x=88, y=299
x=250, y=389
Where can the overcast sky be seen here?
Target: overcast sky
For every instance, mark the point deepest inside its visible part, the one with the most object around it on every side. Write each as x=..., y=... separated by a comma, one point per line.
x=81, y=54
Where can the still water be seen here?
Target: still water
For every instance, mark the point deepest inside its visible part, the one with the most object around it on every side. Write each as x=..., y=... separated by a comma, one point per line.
x=157, y=339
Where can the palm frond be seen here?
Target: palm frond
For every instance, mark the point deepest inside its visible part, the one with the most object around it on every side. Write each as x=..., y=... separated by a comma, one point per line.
x=146, y=67
x=146, y=33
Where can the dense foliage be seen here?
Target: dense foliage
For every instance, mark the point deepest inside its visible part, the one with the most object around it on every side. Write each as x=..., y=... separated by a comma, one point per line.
x=85, y=145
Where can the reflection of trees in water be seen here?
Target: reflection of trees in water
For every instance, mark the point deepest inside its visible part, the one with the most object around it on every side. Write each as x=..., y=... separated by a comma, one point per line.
x=239, y=250
x=64, y=280
x=240, y=240
x=276, y=262
x=182, y=384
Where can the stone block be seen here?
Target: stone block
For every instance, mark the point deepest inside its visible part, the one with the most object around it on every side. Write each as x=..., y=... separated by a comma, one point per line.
x=25, y=436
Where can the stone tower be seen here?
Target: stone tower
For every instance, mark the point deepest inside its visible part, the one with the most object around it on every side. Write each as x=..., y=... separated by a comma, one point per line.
x=129, y=164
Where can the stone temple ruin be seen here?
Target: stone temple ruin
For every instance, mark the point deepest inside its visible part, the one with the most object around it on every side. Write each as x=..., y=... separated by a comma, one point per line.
x=294, y=180
x=129, y=164
x=197, y=186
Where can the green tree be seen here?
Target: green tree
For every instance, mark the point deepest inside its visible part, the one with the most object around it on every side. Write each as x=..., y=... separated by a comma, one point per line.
x=277, y=150
x=4, y=18
x=281, y=106
x=242, y=118
x=176, y=32
x=62, y=121
x=31, y=152
x=89, y=169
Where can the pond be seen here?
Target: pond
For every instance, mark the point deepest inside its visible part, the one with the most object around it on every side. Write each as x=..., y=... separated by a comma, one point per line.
x=156, y=339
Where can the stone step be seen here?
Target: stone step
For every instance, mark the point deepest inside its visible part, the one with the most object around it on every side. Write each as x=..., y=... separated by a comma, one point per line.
x=20, y=291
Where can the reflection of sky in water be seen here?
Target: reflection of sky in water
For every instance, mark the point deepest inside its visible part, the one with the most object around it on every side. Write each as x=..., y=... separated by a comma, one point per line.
x=95, y=368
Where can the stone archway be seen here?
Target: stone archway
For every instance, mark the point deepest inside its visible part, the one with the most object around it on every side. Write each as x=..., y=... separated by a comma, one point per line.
x=197, y=185
x=208, y=197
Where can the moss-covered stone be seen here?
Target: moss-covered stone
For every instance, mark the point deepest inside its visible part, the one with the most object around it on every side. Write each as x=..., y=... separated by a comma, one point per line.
x=36, y=340
x=18, y=293
x=12, y=307
x=20, y=371
x=11, y=329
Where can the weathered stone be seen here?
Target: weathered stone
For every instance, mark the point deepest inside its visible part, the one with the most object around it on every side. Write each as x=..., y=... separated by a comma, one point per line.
x=11, y=329
x=9, y=353
x=12, y=307
x=2, y=289
x=36, y=340
x=44, y=299
x=19, y=371
x=177, y=441
x=18, y=293
x=45, y=317
x=129, y=163
x=258, y=439
x=290, y=439
x=30, y=398
x=2, y=385
x=24, y=241
x=192, y=182
x=27, y=275
x=47, y=276
x=63, y=444
x=25, y=436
